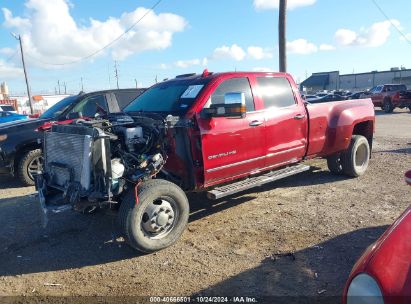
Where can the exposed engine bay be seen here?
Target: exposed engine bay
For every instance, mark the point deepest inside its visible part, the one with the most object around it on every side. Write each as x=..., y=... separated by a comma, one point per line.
x=92, y=162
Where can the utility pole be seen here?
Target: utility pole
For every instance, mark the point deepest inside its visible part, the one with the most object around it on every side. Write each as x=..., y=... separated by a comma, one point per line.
x=82, y=84
x=116, y=72
x=25, y=71
x=58, y=84
x=156, y=79
x=65, y=88
x=136, y=83
x=282, y=40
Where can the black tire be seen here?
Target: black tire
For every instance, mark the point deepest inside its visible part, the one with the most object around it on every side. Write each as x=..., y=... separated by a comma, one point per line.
x=356, y=158
x=334, y=164
x=387, y=106
x=135, y=218
x=26, y=166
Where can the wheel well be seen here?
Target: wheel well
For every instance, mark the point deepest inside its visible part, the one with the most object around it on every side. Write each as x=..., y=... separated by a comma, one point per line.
x=23, y=150
x=366, y=129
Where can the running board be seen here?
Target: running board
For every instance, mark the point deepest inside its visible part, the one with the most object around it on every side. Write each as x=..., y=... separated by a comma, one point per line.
x=257, y=181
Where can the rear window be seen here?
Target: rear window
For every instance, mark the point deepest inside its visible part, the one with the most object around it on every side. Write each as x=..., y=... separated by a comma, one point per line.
x=276, y=92
x=396, y=88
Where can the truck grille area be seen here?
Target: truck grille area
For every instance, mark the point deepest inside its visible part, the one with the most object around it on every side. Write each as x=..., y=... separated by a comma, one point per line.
x=68, y=159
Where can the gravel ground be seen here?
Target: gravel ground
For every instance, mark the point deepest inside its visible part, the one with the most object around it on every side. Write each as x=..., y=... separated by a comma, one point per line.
x=299, y=236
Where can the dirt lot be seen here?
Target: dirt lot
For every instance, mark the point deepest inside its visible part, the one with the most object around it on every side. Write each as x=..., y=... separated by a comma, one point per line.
x=235, y=246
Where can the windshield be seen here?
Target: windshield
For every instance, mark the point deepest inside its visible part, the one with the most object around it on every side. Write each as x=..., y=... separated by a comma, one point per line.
x=58, y=108
x=172, y=97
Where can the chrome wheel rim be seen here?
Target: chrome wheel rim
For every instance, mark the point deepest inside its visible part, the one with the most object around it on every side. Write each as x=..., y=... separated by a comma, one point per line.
x=34, y=166
x=159, y=218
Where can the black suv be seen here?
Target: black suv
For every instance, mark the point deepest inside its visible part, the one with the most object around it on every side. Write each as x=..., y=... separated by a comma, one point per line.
x=20, y=141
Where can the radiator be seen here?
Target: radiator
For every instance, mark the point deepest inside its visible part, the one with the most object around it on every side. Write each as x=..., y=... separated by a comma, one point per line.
x=68, y=157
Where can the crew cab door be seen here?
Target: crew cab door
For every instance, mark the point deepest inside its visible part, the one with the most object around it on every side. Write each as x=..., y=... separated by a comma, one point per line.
x=286, y=121
x=231, y=147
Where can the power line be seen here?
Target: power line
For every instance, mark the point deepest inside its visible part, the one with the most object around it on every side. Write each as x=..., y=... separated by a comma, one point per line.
x=9, y=58
x=390, y=20
x=107, y=45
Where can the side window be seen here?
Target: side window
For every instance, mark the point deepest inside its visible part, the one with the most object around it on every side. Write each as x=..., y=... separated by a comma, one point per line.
x=276, y=92
x=91, y=105
x=234, y=85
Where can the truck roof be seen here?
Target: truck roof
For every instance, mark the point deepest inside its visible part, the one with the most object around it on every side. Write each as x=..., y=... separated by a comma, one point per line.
x=211, y=75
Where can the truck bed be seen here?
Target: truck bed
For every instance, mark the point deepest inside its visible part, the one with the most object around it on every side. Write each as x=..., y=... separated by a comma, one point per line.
x=331, y=124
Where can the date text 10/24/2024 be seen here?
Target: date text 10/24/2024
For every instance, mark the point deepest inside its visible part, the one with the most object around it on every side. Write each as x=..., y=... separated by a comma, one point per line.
x=203, y=299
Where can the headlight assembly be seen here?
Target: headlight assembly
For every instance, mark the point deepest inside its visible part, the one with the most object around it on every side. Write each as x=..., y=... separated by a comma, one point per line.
x=3, y=137
x=364, y=290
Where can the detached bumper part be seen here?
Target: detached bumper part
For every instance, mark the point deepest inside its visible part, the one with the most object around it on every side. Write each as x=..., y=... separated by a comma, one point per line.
x=43, y=207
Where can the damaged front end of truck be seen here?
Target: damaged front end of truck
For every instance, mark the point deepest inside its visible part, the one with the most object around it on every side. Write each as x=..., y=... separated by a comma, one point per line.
x=90, y=164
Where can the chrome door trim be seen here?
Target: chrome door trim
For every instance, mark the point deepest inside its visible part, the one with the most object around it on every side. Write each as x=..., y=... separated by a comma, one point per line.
x=253, y=159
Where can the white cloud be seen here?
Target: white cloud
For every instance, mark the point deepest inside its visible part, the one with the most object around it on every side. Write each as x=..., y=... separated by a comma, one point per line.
x=192, y=62
x=374, y=36
x=301, y=47
x=164, y=66
x=274, y=4
x=7, y=51
x=52, y=35
x=327, y=47
x=229, y=52
x=187, y=63
x=8, y=71
x=258, y=53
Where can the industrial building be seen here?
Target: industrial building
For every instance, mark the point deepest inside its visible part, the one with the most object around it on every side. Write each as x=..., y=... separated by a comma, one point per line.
x=330, y=81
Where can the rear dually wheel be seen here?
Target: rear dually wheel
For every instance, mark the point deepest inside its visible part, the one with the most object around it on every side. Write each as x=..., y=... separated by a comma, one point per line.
x=356, y=158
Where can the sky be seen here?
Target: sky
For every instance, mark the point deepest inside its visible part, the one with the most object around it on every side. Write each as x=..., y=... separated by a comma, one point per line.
x=77, y=43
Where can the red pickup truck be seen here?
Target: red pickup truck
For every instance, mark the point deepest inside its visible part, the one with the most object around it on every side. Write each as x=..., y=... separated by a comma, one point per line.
x=391, y=96
x=221, y=133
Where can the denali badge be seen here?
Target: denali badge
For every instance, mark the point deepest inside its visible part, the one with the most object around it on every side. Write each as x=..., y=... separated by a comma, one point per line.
x=222, y=155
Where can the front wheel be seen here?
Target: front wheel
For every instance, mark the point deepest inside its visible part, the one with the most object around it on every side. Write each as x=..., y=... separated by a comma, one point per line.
x=159, y=217
x=28, y=166
x=356, y=158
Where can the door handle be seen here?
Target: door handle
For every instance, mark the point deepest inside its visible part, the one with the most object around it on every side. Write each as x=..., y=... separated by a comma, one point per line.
x=256, y=123
x=299, y=116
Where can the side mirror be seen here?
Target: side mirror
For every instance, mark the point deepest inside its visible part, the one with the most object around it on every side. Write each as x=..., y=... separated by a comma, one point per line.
x=233, y=106
x=74, y=115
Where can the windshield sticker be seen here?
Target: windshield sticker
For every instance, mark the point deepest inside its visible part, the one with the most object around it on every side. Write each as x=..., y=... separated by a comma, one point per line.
x=192, y=91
